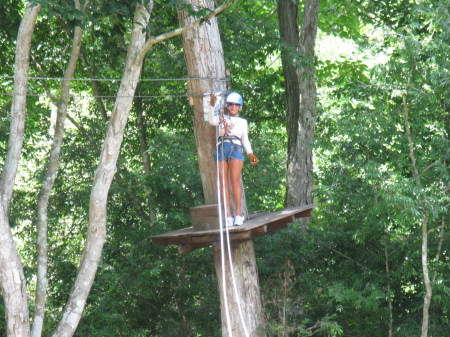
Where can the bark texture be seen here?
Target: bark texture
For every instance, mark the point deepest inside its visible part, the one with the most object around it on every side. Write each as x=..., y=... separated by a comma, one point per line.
x=298, y=68
x=204, y=57
x=12, y=278
x=18, y=105
x=248, y=320
x=103, y=178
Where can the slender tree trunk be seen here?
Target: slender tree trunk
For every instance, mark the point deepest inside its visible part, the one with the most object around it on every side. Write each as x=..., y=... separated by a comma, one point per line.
x=18, y=105
x=412, y=155
x=441, y=241
x=426, y=279
x=425, y=271
x=298, y=66
x=389, y=297
x=47, y=186
x=12, y=278
x=139, y=106
x=103, y=178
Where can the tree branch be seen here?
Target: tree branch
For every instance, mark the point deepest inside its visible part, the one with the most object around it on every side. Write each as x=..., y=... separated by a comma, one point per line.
x=180, y=30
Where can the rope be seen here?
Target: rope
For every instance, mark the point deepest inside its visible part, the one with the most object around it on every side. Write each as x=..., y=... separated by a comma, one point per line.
x=222, y=255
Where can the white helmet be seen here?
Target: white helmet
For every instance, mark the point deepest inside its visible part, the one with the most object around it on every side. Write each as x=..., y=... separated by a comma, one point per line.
x=234, y=97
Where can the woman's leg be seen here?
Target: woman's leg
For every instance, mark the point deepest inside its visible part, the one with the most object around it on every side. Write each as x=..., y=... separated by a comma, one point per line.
x=236, y=166
x=223, y=166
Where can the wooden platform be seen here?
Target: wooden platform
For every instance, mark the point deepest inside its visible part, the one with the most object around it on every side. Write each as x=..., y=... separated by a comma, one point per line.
x=258, y=225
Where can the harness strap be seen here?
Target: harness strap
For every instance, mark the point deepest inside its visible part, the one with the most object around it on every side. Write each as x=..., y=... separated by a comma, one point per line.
x=237, y=147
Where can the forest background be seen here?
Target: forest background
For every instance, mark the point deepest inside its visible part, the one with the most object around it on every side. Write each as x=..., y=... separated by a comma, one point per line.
x=381, y=170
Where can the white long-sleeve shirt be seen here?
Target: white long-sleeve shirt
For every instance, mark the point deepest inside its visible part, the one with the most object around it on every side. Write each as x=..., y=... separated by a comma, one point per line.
x=232, y=126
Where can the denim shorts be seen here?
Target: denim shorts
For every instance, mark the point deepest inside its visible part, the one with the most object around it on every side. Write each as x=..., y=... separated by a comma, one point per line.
x=226, y=151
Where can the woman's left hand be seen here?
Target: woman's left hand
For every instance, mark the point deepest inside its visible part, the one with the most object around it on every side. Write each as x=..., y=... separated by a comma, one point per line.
x=253, y=159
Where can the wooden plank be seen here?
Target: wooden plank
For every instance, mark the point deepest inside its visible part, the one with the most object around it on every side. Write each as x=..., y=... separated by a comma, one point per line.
x=280, y=224
x=205, y=217
x=304, y=214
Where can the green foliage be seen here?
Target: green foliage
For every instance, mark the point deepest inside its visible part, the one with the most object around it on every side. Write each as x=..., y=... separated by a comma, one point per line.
x=10, y=16
x=336, y=275
x=366, y=185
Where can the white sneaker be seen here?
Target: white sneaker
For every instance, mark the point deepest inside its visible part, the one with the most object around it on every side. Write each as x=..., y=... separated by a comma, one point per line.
x=239, y=220
x=230, y=221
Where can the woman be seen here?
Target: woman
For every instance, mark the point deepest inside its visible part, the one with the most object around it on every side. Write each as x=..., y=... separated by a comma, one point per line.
x=233, y=136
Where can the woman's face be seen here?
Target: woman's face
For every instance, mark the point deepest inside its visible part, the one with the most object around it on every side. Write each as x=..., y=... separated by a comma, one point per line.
x=233, y=108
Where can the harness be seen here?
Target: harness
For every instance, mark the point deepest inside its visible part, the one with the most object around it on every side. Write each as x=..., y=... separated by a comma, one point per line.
x=229, y=139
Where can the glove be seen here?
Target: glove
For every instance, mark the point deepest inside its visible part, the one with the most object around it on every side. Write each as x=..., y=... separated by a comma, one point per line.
x=253, y=159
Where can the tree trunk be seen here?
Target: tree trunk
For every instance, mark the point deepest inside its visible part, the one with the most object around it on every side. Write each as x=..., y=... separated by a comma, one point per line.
x=47, y=186
x=103, y=178
x=139, y=107
x=424, y=254
x=18, y=105
x=389, y=295
x=240, y=299
x=204, y=58
x=300, y=96
x=11, y=270
x=426, y=279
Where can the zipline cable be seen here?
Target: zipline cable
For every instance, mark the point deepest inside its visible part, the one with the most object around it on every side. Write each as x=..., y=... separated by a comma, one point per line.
x=105, y=96
x=187, y=78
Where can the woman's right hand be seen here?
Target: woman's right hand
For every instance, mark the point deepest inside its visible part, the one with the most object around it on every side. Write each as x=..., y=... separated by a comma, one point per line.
x=212, y=100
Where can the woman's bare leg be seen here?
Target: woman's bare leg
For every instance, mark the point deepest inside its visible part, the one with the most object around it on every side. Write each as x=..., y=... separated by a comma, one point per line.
x=224, y=186
x=235, y=180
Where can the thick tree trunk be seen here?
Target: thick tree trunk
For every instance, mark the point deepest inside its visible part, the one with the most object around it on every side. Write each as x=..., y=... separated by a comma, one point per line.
x=12, y=278
x=240, y=298
x=301, y=102
x=103, y=178
x=204, y=57
x=47, y=186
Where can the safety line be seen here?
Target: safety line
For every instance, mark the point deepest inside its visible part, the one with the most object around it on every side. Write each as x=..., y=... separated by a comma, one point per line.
x=238, y=299
x=222, y=255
